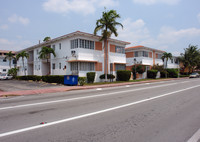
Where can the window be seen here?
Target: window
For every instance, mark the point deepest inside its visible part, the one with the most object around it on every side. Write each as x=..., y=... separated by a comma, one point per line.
x=14, y=61
x=159, y=56
x=0, y=53
x=82, y=43
x=145, y=54
x=37, y=51
x=53, y=66
x=59, y=65
x=74, y=66
x=136, y=53
x=38, y=67
x=54, y=47
x=86, y=66
x=4, y=70
x=120, y=67
x=4, y=60
x=60, y=46
x=119, y=49
x=172, y=60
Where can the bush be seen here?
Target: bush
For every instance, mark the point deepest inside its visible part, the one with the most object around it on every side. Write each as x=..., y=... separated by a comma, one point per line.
x=53, y=79
x=173, y=73
x=184, y=75
x=109, y=76
x=81, y=80
x=152, y=73
x=13, y=72
x=123, y=75
x=140, y=69
x=90, y=77
x=163, y=74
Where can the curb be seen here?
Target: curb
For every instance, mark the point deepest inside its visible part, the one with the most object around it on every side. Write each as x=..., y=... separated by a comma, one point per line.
x=64, y=89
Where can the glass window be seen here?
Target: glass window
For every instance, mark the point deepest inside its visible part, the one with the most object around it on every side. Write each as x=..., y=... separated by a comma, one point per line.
x=4, y=60
x=4, y=70
x=86, y=66
x=159, y=56
x=74, y=66
x=54, y=47
x=172, y=60
x=60, y=46
x=119, y=49
x=59, y=65
x=53, y=66
x=120, y=67
x=145, y=54
x=136, y=54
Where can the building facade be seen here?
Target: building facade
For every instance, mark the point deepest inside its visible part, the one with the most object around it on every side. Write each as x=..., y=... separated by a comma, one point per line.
x=147, y=57
x=4, y=63
x=76, y=54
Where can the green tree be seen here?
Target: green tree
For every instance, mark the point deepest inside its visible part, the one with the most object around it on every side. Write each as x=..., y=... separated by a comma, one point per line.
x=107, y=25
x=191, y=58
x=47, y=39
x=10, y=56
x=45, y=54
x=13, y=72
x=23, y=55
x=165, y=57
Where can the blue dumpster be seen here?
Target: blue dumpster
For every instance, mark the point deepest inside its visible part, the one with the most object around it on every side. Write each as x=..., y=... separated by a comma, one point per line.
x=71, y=79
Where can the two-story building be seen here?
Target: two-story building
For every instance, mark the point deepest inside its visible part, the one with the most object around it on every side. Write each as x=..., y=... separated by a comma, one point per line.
x=76, y=53
x=4, y=63
x=147, y=57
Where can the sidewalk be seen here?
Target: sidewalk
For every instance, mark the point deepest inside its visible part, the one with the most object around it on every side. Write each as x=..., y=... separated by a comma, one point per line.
x=69, y=88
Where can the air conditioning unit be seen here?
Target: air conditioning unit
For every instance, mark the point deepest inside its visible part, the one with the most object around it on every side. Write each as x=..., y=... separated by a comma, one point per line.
x=73, y=53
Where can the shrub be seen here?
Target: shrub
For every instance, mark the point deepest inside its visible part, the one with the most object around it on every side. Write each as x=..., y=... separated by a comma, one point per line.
x=152, y=73
x=184, y=75
x=109, y=76
x=90, y=77
x=140, y=69
x=123, y=75
x=13, y=72
x=173, y=73
x=163, y=74
x=81, y=80
x=53, y=79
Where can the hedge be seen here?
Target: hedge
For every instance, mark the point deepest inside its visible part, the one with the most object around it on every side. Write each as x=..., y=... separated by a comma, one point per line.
x=109, y=76
x=90, y=77
x=82, y=80
x=123, y=75
x=152, y=73
x=173, y=73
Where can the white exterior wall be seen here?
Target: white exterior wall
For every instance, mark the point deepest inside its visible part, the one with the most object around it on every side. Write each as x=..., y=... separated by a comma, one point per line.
x=64, y=57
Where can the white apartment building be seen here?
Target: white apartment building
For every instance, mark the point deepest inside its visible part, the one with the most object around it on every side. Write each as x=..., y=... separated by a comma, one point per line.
x=76, y=54
x=4, y=63
x=147, y=57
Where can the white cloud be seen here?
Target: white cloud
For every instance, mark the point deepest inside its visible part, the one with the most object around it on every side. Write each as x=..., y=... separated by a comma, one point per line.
x=4, y=27
x=14, y=45
x=18, y=19
x=78, y=6
x=151, y=2
x=137, y=33
x=198, y=17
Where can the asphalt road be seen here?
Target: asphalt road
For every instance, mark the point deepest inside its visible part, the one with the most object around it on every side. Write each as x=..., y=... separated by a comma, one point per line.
x=152, y=112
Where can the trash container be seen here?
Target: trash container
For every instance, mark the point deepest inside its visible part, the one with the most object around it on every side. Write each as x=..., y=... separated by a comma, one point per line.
x=71, y=80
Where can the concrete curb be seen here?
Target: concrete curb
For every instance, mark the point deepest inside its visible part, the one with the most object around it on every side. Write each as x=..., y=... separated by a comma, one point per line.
x=69, y=88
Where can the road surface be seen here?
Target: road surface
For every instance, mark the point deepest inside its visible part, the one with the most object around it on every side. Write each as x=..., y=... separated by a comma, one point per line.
x=167, y=111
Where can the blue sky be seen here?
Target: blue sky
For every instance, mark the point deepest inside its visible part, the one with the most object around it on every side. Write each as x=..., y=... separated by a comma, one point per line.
x=169, y=25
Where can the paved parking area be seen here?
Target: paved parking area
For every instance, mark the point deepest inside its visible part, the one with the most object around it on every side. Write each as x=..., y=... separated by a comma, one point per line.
x=14, y=85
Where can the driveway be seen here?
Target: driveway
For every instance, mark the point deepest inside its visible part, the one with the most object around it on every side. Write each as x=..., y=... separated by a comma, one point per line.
x=14, y=85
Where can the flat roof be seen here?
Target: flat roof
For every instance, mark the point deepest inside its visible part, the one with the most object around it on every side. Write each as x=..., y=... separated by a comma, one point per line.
x=142, y=47
x=71, y=35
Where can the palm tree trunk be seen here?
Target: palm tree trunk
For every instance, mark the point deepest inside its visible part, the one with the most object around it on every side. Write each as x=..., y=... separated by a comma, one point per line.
x=23, y=66
x=10, y=63
x=106, y=59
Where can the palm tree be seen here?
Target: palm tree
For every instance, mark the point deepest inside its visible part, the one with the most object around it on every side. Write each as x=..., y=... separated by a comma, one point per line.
x=190, y=59
x=45, y=54
x=165, y=58
x=47, y=39
x=107, y=24
x=23, y=55
x=10, y=56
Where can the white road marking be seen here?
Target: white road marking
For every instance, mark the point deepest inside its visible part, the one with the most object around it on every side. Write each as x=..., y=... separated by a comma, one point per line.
x=99, y=89
x=195, y=137
x=85, y=97
x=93, y=113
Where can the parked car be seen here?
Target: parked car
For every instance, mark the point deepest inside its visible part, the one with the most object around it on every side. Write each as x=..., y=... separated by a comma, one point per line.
x=194, y=75
x=5, y=76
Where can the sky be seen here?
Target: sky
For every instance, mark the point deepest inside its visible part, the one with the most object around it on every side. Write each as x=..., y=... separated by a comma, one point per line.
x=169, y=25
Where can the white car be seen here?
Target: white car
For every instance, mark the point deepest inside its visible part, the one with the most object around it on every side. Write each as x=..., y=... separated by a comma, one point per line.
x=5, y=76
